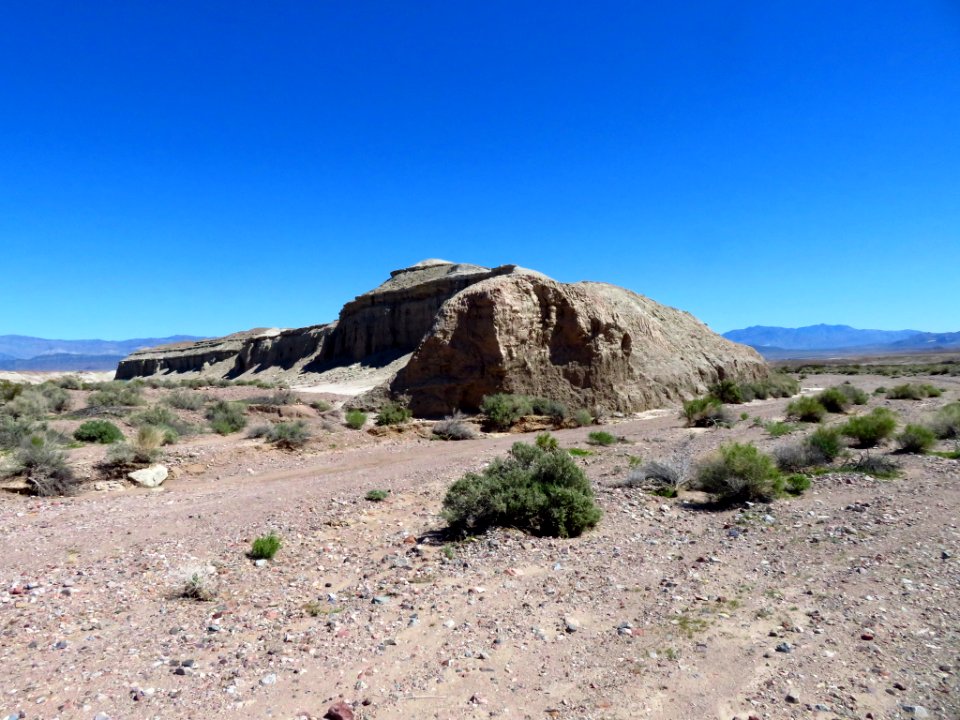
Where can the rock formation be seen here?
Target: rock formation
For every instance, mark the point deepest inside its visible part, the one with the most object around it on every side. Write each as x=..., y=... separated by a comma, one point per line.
x=455, y=333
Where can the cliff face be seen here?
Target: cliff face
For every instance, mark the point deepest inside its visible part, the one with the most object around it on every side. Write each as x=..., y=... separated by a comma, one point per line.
x=444, y=335
x=586, y=344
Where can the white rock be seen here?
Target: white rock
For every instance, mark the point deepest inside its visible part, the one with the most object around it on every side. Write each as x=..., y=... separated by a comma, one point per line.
x=149, y=477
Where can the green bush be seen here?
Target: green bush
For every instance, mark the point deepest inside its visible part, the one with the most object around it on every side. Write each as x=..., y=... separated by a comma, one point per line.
x=69, y=382
x=539, y=491
x=855, y=395
x=553, y=409
x=916, y=439
x=582, y=418
x=503, y=410
x=704, y=412
x=946, y=423
x=288, y=435
x=806, y=409
x=14, y=430
x=796, y=484
x=738, y=473
x=876, y=465
x=834, y=400
x=393, y=414
x=185, y=400
x=265, y=547
x=913, y=391
x=98, y=431
x=9, y=390
x=779, y=429
x=45, y=468
x=777, y=385
x=143, y=450
x=601, y=437
x=870, y=429
x=115, y=394
x=29, y=404
x=165, y=420
x=227, y=417
x=355, y=419
x=726, y=391
x=321, y=406
x=546, y=441
x=826, y=443
x=377, y=495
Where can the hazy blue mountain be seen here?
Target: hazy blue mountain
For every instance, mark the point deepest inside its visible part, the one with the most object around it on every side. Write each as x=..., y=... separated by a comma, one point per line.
x=929, y=341
x=61, y=361
x=23, y=346
x=816, y=337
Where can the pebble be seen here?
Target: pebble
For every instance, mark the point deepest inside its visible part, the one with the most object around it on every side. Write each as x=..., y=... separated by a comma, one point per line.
x=918, y=711
x=270, y=679
x=784, y=647
x=571, y=624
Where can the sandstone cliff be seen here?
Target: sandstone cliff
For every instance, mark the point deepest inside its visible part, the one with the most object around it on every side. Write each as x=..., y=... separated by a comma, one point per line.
x=444, y=335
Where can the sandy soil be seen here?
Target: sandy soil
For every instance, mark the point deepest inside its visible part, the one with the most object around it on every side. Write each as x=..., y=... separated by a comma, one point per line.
x=842, y=603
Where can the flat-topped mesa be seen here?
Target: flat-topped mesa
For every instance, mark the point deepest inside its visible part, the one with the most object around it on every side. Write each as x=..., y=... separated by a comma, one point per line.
x=393, y=318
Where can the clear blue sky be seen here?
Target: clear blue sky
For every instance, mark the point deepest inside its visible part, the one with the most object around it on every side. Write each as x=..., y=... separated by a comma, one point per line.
x=204, y=167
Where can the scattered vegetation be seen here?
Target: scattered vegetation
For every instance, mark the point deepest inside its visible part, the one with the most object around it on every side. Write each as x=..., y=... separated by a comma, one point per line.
x=546, y=441
x=913, y=391
x=806, y=409
x=779, y=428
x=705, y=412
x=916, y=439
x=185, y=400
x=582, y=418
x=287, y=435
x=601, y=437
x=115, y=394
x=663, y=478
x=227, y=417
x=355, y=419
x=377, y=495
x=14, y=430
x=834, y=400
x=321, y=406
x=98, y=431
x=200, y=584
x=454, y=427
x=736, y=473
x=870, y=429
x=946, y=423
x=879, y=466
x=539, y=491
x=163, y=419
x=579, y=452
x=265, y=547
x=143, y=450
x=44, y=467
x=393, y=413
x=503, y=410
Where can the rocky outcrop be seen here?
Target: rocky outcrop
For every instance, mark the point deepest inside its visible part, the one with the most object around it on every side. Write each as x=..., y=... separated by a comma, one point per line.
x=586, y=344
x=445, y=334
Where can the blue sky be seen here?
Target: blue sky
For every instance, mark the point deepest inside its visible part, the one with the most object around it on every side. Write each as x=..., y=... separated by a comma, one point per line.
x=202, y=167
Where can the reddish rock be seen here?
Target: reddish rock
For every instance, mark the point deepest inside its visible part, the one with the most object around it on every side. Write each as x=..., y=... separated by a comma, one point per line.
x=339, y=711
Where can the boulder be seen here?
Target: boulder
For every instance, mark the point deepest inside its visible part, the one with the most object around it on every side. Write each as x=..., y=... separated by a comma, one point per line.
x=149, y=477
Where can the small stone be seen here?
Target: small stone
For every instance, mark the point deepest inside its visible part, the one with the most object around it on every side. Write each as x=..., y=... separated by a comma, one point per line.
x=784, y=647
x=792, y=698
x=149, y=477
x=866, y=636
x=381, y=600
x=918, y=711
x=571, y=624
x=260, y=563
x=270, y=679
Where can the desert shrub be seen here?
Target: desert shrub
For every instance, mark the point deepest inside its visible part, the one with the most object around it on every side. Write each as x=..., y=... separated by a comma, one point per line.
x=377, y=495
x=826, y=442
x=9, y=390
x=806, y=409
x=946, y=423
x=454, y=428
x=726, y=391
x=855, y=395
x=539, y=491
x=664, y=478
x=870, y=429
x=98, y=431
x=704, y=412
x=916, y=439
x=58, y=399
x=199, y=584
x=913, y=391
x=289, y=435
x=69, y=382
x=796, y=484
x=115, y=394
x=227, y=417
x=819, y=448
x=554, y=409
x=184, y=400
x=14, y=430
x=28, y=404
x=736, y=473
x=601, y=437
x=355, y=419
x=582, y=418
x=265, y=547
x=546, y=441
x=878, y=466
x=283, y=396
x=779, y=429
x=321, y=405
x=144, y=449
x=880, y=390
x=503, y=410
x=165, y=420
x=393, y=414
x=44, y=466
x=834, y=400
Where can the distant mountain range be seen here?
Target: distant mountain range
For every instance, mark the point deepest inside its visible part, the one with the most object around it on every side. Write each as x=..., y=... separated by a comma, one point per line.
x=24, y=353
x=778, y=343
